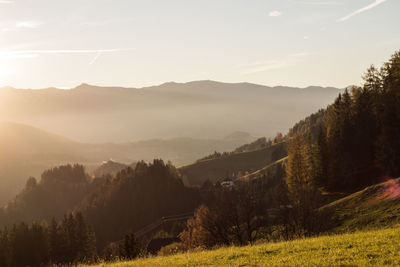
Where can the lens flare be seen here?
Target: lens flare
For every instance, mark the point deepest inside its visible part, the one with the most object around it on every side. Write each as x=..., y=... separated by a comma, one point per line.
x=391, y=190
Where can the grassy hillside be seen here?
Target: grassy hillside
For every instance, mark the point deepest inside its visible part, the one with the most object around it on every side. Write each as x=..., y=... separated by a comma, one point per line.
x=268, y=170
x=374, y=248
x=215, y=169
x=376, y=206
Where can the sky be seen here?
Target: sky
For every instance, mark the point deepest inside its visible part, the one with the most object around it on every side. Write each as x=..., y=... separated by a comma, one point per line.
x=64, y=43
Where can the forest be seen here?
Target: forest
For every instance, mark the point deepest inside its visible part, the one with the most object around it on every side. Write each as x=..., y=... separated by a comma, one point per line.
x=68, y=217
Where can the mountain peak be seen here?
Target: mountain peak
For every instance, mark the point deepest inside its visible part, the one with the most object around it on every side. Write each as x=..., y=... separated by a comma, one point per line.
x=83, y=86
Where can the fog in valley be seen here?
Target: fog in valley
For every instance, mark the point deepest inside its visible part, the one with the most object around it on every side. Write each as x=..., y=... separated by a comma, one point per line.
x=176, y=122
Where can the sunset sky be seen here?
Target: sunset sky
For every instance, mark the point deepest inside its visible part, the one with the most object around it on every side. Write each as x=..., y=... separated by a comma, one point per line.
x=133, y=43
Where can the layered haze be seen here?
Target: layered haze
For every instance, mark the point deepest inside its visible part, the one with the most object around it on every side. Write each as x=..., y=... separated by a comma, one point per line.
x=201, y=109
x=180, y=122
x=28, y=151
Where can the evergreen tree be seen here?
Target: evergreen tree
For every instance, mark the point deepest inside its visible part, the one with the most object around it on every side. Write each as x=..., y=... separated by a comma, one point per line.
x=85, y=242
x=28, y=245
x=301, y=187
x=5, y=253
x=56, y=242
x=388, y=144
x=131, y=247
x=320, y=159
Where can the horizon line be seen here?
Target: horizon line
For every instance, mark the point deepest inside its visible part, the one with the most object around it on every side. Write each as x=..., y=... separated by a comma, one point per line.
x=66, y=88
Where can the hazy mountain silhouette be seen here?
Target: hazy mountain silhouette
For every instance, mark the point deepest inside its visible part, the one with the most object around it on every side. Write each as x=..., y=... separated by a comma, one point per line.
x=200, y=109
x=28, y=151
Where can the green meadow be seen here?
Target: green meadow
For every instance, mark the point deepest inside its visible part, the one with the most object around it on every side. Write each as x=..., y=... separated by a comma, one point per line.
x=372, y=248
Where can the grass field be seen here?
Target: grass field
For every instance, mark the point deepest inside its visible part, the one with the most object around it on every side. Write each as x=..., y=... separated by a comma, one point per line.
x=373, y=248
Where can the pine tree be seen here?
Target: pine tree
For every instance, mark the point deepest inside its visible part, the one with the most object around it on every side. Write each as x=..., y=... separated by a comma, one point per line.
x=5, y=253
x=298, y=169
x=365, y=135
x=334, y=137
x=85, y=240
x=55, y=242
x=320, y=158
x=388, y=145
x=339, y=142
x=131, y=247
x=302, y=190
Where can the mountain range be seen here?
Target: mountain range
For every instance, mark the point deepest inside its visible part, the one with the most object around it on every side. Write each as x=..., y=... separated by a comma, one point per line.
x=200, y=109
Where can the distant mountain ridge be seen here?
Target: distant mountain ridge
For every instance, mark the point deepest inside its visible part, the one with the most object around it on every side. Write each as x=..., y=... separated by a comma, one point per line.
x=199, y=109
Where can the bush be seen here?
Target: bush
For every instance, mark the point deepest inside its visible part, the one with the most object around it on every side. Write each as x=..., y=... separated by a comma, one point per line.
x=172, y=249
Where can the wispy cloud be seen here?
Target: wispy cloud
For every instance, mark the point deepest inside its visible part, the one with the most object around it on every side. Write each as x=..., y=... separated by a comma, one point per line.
x=95, y=58
x=68, y=51
x=274, y=13
x=358, y=11
x=28, y=24
x=263, y=66
x=36, y=53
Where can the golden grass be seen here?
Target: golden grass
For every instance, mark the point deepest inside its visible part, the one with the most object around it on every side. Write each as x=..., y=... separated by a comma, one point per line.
x=373, y=248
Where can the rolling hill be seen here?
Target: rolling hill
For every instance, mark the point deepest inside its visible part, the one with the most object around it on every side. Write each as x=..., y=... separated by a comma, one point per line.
x=27, y=151
x=268, y=170
x=225, y=166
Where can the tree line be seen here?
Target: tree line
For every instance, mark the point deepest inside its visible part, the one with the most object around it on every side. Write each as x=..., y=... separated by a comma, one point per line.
x=258, y=144
x=58, y=192
x=66, y=242
x=355, y=141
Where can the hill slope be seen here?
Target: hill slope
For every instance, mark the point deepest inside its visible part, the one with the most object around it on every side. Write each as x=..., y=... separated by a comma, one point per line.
x=268, y=170
x=215, y=169
x=375, y=248
x=28, y=151
x=374, y=207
